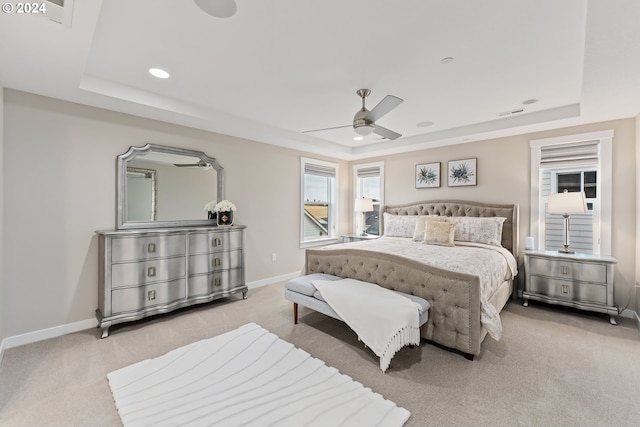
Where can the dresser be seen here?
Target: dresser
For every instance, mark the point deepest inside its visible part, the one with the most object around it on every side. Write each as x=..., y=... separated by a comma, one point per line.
x=582, y=281
x=150, y=271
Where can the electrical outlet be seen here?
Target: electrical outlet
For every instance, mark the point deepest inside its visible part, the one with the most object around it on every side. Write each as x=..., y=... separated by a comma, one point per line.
x=274, y=257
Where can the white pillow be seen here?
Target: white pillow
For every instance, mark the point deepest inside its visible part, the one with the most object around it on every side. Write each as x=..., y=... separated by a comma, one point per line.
x=399, y=225
x=439, y=233
x=418, y=234
x=487, y=230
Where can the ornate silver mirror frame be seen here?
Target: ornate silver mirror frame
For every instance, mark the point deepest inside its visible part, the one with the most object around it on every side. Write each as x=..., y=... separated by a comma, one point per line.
x=170, y=156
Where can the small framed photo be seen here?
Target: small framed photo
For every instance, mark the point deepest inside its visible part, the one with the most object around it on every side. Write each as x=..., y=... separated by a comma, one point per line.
x=462, y=172
x=428, y=175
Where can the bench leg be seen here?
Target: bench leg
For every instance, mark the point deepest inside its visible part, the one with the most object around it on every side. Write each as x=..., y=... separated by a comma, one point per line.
x=295, y=313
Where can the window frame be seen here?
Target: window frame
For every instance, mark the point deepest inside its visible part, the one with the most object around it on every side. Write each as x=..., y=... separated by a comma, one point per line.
x=604, y=169
x=333, y=210
x=357, y=192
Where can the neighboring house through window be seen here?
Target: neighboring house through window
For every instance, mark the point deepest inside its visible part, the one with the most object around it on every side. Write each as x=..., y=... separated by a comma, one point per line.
x=573, y=163
x=319, y=200
x=369, y=183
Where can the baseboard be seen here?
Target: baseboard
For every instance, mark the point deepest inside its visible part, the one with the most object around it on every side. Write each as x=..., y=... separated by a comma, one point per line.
x=56, y=331
x=44, y=334
x=272, y=280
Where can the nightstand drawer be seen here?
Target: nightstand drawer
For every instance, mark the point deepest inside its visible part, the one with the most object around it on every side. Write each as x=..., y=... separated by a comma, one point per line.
x=568, y=270
x=565, y=289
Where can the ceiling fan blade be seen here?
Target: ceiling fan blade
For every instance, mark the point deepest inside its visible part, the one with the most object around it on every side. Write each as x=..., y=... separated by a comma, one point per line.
x=387, y=104
x=387, y=133
x=318, y=130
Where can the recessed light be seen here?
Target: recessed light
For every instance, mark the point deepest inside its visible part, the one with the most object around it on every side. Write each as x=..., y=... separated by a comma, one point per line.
x=446, y=60
x=159, y=73
x=424, y=124
x=529, y=101
x=358, y=138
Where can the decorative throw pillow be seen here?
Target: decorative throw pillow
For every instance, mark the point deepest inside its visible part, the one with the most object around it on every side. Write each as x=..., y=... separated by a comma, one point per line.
x=439, y=233
x=399, y=225
x=418, y=234
x=487, y=230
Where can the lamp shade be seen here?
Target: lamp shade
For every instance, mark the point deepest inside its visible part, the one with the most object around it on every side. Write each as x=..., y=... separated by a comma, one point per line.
x=363, y=205
x=567, y=203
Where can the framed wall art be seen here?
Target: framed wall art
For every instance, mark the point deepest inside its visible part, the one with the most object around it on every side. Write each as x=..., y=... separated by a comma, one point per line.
x=462, y=172
x=428, y=175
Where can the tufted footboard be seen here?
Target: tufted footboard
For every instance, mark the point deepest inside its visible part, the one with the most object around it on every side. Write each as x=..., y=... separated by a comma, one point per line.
x=454, y=316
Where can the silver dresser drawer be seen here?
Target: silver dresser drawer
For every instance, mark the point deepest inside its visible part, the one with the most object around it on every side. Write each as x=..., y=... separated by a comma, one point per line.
x=567, y=290
x=154, y=270
x=206, y=284
x=134, y=299
x=582, y=271
x=213, y=241
x=205, y=263
x=145, y=247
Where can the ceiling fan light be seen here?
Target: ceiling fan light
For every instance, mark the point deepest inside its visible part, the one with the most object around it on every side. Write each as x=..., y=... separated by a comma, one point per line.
x=364, y=130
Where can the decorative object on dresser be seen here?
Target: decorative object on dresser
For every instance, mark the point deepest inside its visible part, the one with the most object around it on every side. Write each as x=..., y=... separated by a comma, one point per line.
x=362, y=206
x=428, y=175
x=146, y=272
x=565, y=204
x=462, y=172
x=222, y=211
x=153, y=267
x=581, y=281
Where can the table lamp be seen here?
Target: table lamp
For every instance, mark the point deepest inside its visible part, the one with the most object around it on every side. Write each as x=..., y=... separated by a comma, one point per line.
x=566, y=203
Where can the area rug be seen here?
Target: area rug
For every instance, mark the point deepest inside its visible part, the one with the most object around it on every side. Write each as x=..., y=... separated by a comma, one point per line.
x=245, y=377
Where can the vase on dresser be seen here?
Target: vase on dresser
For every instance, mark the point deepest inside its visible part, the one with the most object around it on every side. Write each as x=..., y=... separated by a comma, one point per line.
x=213, y=216
x=225, y=218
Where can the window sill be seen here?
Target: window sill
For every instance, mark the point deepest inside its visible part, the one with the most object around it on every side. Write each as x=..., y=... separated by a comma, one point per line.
x=319, y=242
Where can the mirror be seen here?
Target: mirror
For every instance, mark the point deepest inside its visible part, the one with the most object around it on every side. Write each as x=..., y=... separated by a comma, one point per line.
x=162, y=186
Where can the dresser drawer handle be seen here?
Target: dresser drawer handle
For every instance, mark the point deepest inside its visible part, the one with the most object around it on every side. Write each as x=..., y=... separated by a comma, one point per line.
x=151, y=271
x=151, y=295
x=564, y=269
x=217, y=242
x=216, y=262
x=565, y=289
x=151, y=248
x=217, y=281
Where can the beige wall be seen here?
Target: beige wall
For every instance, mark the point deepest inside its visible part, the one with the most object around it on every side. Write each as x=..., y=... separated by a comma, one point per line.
x=503, y=177
x=61, y=160
x=3, y=335
x=637, y=289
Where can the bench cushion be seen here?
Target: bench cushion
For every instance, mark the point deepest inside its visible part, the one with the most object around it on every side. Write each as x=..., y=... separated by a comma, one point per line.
x=303, y=285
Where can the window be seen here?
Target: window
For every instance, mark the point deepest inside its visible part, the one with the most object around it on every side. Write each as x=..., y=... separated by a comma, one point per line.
x=575, y=163
x=369, y=183
x=319, y=196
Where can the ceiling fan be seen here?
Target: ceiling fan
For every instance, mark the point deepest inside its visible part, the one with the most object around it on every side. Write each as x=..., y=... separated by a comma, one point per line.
x=364, y=122
x=200, y=165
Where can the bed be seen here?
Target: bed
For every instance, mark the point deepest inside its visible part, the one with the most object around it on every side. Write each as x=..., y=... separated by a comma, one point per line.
x=465, y=291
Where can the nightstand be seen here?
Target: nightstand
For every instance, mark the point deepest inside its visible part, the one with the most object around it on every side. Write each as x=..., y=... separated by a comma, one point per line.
x=582, y=281
x=346, y=238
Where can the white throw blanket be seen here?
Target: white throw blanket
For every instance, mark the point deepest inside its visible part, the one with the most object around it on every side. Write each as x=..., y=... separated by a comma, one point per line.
x=383, y=320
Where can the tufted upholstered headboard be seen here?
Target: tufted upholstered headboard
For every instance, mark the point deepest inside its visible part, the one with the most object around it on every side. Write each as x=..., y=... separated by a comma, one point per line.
x=510, y=230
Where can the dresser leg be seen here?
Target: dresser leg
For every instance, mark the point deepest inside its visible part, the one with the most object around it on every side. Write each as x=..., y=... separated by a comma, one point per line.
x=105, y=329
x=526, y=303
x=244, y=295
x=612, y=320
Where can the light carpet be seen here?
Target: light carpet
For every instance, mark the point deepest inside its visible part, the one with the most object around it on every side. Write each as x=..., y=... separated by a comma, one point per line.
x=245, y=377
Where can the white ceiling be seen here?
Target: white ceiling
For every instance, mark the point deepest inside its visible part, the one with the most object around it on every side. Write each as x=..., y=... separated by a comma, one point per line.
x=280, y=67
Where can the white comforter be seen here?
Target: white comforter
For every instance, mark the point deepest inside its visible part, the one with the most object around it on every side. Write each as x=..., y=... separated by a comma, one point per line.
x=492, y=264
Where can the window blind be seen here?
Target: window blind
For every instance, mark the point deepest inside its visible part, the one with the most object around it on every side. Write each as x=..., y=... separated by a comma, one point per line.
x=566, y=155
x=369, y=172
x=319, y=170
